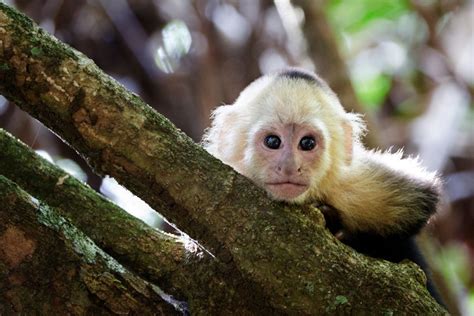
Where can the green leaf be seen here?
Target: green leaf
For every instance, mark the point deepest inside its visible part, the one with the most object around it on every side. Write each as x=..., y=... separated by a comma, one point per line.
x=341, y=300
x=36, y=51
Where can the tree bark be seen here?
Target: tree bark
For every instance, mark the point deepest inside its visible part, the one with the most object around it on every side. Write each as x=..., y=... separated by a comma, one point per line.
x=179, y=266
x=41, y=250
x=279, y=256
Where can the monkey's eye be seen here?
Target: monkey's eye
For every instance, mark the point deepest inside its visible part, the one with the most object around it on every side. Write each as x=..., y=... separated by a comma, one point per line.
x=272, y=141
x=307, y=143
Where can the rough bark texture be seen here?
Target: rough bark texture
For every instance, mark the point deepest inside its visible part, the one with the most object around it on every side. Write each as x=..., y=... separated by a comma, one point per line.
x=70, y=275
x=281, y=256
x=111, y=228
x=177, y=265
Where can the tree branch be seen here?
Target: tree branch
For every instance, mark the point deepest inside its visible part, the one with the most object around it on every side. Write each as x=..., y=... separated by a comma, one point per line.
x=186, y=272
x=72, y=275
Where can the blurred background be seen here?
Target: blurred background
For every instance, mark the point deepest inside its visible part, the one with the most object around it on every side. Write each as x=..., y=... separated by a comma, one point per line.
x=408, y=65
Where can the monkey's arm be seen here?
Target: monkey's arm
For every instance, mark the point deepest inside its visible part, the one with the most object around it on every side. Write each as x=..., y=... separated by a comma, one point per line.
x=383, y=202
x=382, y=194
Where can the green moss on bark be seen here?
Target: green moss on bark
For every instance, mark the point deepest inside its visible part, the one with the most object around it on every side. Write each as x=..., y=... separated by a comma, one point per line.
x=49, y=267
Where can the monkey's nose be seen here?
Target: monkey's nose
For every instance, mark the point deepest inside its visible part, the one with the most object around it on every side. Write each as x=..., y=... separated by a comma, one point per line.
x=288, y=171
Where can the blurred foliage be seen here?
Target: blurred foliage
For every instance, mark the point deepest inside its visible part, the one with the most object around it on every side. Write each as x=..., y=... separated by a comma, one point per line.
x=366, y=30
x=454, y=264
x=407, y=61
x=176, y=44
x=356, y=16
x=373, y=90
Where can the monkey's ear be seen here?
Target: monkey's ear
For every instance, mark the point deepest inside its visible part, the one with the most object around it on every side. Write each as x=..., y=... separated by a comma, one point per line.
x=219, y=138
x=348, y=141
x=222, y=122
x=354, y=127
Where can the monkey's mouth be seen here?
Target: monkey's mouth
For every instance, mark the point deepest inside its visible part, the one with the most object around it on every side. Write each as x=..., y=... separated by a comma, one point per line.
x=286, y=190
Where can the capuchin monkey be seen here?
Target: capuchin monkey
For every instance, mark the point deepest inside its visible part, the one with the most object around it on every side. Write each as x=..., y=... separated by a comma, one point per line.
x=289, y=133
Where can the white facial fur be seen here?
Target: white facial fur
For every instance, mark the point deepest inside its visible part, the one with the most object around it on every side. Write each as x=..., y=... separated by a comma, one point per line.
x=285, y=172
x=290, y=109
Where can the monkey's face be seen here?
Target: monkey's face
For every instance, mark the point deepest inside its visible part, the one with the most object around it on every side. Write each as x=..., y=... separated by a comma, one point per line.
x=282, y=159
x=290, y=136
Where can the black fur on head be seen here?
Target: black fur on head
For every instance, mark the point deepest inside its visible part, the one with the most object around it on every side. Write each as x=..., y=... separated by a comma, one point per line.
x=298, y=73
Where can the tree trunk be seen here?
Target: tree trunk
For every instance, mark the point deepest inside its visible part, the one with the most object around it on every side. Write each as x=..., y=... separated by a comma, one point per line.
x=271, y=257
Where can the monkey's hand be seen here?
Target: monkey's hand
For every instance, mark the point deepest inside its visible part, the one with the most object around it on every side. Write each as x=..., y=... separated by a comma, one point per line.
x=333, y=219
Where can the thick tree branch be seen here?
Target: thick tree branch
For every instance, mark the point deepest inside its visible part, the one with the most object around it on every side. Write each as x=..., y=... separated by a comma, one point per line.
x=122, y=235
x=280, y=255
x=72, y=275
x=183, y=271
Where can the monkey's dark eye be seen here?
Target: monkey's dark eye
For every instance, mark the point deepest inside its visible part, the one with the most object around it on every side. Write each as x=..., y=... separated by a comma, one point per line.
x=307, y=143
x=272, y=141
